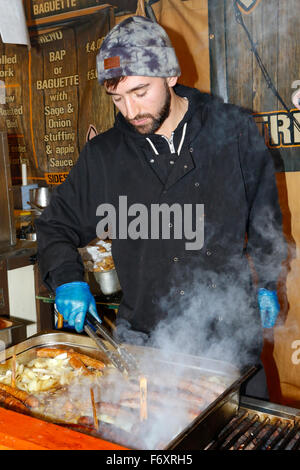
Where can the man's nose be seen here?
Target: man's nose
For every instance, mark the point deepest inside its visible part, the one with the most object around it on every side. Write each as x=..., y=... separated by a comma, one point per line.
x=131, y=109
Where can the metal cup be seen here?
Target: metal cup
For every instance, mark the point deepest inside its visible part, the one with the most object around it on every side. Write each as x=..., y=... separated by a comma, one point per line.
x=108, y=281
x=40, y=196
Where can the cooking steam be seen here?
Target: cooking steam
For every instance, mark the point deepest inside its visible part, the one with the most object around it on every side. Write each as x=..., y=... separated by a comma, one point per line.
x=216, y=317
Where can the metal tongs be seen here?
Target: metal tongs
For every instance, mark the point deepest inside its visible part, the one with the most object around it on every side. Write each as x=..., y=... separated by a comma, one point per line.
x=123, y=360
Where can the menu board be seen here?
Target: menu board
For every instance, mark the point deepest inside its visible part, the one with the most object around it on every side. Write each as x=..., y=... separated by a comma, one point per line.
x=50, y=101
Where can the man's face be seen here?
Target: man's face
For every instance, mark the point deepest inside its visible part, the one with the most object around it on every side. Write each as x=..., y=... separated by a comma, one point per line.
x=143, y=101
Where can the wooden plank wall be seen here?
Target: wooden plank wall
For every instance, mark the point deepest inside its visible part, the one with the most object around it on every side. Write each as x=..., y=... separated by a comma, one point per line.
x=187, y=26
x=237, y=78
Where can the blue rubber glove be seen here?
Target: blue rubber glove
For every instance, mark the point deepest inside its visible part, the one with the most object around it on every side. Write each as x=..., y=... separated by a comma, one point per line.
x=268, y=306
x=73, y=300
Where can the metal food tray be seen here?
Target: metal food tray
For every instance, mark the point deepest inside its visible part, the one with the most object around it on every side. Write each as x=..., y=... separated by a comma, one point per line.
x=202, y=429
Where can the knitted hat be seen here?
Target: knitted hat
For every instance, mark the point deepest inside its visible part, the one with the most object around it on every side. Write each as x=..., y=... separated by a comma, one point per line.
x=137, y=46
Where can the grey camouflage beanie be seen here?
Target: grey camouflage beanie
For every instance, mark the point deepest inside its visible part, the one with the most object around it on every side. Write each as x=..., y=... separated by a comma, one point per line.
x=137, y=46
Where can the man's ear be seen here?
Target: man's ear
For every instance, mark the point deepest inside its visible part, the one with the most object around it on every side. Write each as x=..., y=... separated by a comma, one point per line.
x=171, y=81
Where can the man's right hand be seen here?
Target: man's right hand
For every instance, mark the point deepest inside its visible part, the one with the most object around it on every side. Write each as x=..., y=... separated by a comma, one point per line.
x=73, y=300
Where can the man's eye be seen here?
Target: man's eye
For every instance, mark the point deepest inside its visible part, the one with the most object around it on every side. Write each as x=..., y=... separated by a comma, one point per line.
x=116, y=100
x=139, y=95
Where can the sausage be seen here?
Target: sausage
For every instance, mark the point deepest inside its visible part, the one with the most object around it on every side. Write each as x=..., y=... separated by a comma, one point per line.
x=12, y=402
x=85, y=421
x=134, y=404
x=198, y=390
x=79, y=426
x=207, y=390
x=173, y=398
x=84, y=427
x=29, y=400
x=213, y=386
x=115, y=410
x=52, y=352
x=111, y=409
x=90, y=361
x=163, y=394
x=157, y=401
x=86, y=360
x=76, y=363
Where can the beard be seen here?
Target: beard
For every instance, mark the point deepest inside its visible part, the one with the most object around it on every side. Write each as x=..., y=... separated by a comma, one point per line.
x=155, y=121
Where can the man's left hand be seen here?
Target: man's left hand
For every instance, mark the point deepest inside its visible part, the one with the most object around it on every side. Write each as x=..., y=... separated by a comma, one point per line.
x=268, y=307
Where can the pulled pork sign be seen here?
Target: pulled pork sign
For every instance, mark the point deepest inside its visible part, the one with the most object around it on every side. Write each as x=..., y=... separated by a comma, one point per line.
x=50, y=97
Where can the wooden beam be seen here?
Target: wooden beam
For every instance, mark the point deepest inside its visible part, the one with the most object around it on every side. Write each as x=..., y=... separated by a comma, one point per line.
x=21, y=432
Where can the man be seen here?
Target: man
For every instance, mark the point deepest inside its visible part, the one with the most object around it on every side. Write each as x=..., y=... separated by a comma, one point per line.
x=204, y=164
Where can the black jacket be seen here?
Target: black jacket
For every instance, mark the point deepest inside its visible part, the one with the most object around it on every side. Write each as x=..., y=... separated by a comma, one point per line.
x=224, y=165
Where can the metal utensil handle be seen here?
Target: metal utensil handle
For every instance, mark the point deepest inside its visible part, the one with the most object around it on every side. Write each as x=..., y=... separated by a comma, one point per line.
x=129, y=360
x=104, y=332
x=115, y=361
x=92, y=334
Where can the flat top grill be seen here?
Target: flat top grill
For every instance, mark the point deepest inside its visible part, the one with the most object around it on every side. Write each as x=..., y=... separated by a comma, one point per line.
x=260, y=426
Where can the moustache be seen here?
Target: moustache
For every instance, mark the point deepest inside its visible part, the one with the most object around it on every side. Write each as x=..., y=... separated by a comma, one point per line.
x=138, y=117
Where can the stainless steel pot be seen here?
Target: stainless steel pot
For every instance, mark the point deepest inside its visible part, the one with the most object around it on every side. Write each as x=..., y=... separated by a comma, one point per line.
x=108, y=281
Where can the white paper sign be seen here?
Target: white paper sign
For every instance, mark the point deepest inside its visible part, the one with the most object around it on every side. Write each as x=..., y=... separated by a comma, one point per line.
x=13, y=28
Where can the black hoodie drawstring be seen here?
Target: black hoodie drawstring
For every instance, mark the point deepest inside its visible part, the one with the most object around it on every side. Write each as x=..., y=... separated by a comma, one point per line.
x=180, y=144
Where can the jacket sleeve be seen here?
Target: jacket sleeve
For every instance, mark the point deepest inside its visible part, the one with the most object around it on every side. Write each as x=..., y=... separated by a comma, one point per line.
x=266, y=244
x=69, y=222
